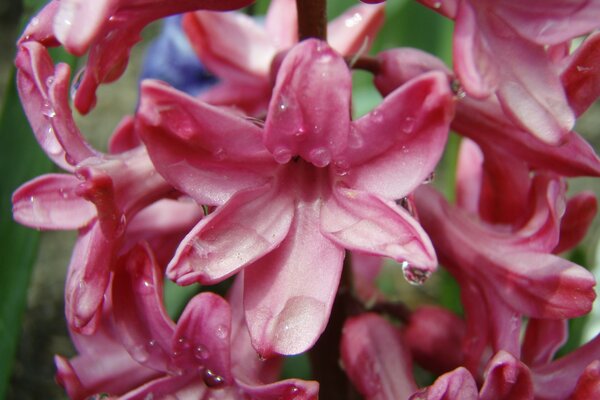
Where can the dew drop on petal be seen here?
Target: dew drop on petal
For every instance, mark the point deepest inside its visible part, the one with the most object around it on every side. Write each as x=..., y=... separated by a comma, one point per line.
x=201, y=352
x=437, y=5
x=320, y=157
x=48, y=110
x=282, y=155
x=139, y=353
x=220, y=154
x=145, y=287
x=212, y=380
x=429, y=178
x=222, y=331
x=414, y=275
x=353, y=21
x=49, y=81
x=408, y=126
x=341, y=167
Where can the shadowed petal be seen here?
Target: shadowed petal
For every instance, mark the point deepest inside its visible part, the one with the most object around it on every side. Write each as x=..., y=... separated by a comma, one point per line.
x=579, y=215
x=454, y=385
x=542, y=340
x=506, y=378
x=376, y=358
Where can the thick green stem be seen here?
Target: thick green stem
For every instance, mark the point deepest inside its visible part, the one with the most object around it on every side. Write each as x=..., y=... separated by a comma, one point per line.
x=312, y=19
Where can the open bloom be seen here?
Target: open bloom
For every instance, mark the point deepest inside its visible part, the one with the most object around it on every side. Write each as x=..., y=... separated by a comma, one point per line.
x=294, y=194
x=241, y=52
x=501, y=47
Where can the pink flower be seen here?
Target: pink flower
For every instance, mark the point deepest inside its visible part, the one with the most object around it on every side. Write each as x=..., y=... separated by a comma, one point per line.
x=311, y=179
x=207, y=353
x=242, y=53
x=107, y=29
x=499, y=47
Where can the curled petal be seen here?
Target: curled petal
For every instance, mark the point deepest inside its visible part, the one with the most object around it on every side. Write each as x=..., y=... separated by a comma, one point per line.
x=376, y=359
x=588, y=385
x=506, y=378
x=579, y=215
x=454, y=385
x=309, y=113
x=251, y=224
x=288, y=294
x=51, y=202
x=363, y=222
x=202, y=150
x=40, y=28
x=404, y=136
x=581, y=77
x=469, y=176
x=543, y=338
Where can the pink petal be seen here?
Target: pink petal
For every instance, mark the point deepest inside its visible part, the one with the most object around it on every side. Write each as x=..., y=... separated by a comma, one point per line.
x=581, y=77
x=40, y=28
x=365, y=269
x=289, y=389
x=447, y=7
x=550, y=21
x=404, y=135
x=469, y=176
x=140, y=320
x=202, y=150
x=376, y=359
x=506, y=378
x=363, y=222
x=588, y=385
x=124, y=137
x=288, y=294
x=281, y=23
x=454, y=385
x=51, y=202
x=252, y=98
x=231, y=45
x=186, y=386
x=355, y=30
x=202, y=338
x=543, y=338
x=309, y=113
x=558, y=379
x=579, y=216
x=251, y=224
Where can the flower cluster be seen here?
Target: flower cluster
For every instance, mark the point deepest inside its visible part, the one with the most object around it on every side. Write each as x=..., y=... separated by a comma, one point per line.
x=258, y=175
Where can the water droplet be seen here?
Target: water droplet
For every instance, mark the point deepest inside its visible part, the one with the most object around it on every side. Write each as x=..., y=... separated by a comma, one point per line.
x=145, y=287
x=299, y=135
x=292, y=391
x=282, y=155
x=140, y=354
x=182, y=343
x=376, y=117
x=201, y=352
x=77, y=82
x=151, y=343
x=408, y=126
x=437, y=5
x=581, y=68
x=64, y=193
x=355, y=140
x=220, y=154
x=404, y=149
x=34, y=21
x=341, y=167
x=49, y=81
x=414, y=275
x=320, y=157
x=48, y=110
x=212, y=380
x=282, y=106
x=222, y=332
x=457, y=89
x=354, y=20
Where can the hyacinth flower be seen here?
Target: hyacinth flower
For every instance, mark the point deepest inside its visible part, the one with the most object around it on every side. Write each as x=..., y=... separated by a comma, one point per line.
x=106, y=30
x=99, y=195
x=505, y=48
x=311, y=178
x=242, y=53
x=485, y=122
x=206, y=354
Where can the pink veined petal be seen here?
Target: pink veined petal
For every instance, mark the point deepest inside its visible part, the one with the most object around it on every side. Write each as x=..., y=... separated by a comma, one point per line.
x=581, y=77
x=202, y=338
x=360, y=221
x=88, y=278
x=251, y=224
x=376, y=359
x=231, y=45
x=454, y=385
x=289, y=389
x=550, y=21
x=543, y=338
x=579, y=215
x=140, y=320
x=557, y=379
x=202, y=150
x=588, y=385
x=355, y=30
x=469, y=176
x=309, y=113
x=124, y=137
x=281, y=23
x=252, y=98
x=51, y=202
x=506, y=378
x=186, y=386
x=395, y=147
x=472, y=54
x=288, y=294
x=434, y=336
